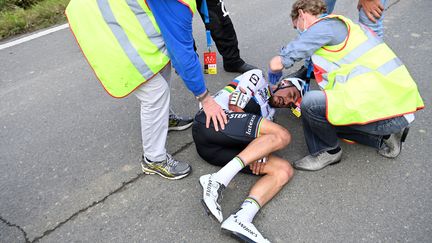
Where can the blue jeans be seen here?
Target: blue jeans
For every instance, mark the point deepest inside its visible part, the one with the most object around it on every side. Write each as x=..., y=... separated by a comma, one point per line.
x=363, y=19
x=321, y=136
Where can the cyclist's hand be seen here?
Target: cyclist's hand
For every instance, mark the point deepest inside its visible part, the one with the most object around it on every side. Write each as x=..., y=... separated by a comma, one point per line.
x=257, y=167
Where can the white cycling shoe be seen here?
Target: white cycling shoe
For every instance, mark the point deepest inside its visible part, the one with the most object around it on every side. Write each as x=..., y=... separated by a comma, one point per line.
x=212, y=194
x=244, y=230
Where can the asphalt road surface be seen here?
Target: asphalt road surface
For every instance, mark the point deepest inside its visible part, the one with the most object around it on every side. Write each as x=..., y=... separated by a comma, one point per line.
x=69, y=153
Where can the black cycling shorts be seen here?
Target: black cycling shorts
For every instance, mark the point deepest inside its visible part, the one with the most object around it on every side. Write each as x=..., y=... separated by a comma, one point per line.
x=218, y=148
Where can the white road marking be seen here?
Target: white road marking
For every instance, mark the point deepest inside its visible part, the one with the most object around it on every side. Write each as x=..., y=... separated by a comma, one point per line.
x=33, y=36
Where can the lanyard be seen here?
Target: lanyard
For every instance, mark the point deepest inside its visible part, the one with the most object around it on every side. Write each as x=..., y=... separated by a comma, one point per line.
x=204, y=11
x=210, y=64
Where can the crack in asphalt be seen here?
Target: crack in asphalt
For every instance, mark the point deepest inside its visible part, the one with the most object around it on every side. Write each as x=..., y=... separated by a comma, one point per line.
x=183, y=148
x=76, y=214
x=16, y=226
x=396, y=2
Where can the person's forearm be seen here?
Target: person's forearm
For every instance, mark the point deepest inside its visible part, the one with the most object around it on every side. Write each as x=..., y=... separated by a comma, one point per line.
x=175, y=22
x=306, y=44
x=190, y=72
x=291, y=53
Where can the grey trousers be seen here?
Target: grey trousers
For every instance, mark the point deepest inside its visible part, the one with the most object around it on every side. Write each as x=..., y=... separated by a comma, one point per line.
x=154, y=96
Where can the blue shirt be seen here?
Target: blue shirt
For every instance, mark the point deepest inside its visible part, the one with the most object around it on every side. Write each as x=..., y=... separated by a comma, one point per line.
x=323, y=33
x=175, y=22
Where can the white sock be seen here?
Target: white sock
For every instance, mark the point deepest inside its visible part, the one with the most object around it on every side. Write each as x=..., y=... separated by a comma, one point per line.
x=248, y=209
x=228, y=172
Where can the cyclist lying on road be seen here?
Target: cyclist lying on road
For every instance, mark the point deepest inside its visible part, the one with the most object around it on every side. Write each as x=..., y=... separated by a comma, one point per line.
x=246, y=144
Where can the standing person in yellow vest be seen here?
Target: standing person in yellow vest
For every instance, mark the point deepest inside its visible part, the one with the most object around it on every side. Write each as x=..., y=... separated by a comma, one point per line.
x=131, y=46
x=367, y=95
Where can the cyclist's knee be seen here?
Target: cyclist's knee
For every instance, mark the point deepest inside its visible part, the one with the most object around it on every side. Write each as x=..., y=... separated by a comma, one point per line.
x=281, y=138
x=284, y=173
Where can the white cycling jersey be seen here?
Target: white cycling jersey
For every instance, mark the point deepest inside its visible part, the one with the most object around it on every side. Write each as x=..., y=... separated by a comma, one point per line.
x=253, y=84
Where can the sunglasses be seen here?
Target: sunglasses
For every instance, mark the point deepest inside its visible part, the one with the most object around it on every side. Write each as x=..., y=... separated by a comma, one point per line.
x=283, y=85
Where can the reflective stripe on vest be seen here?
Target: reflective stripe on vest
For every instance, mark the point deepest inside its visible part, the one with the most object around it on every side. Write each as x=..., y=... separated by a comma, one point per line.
x=363, y=79
x=363, y=47
x=121, y=41
x=366, y=46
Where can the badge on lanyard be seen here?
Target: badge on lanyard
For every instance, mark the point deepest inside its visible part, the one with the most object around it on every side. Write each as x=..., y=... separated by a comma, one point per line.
x=210, y=64
x=296, y=108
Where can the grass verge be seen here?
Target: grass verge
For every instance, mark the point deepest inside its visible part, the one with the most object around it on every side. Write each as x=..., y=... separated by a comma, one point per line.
x=41, y=15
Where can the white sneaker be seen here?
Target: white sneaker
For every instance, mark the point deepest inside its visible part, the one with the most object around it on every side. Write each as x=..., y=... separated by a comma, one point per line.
x=243, y=230
x=212, y=194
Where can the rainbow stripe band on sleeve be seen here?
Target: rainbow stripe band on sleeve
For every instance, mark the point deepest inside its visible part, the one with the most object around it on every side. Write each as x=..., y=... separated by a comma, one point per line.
x=229, y=88
x=232, y=86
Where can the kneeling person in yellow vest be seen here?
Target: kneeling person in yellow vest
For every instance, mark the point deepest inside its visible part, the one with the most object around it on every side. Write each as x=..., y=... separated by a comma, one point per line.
x=367, y=94
x=131, y=45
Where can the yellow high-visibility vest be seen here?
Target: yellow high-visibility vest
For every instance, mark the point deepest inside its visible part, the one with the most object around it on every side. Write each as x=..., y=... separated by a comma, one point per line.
x=121, y=41
x=363, y=79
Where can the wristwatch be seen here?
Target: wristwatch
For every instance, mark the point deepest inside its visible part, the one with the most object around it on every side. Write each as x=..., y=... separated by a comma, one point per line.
x=200, y=98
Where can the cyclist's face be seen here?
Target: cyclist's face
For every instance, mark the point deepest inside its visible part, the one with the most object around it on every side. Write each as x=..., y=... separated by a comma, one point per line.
x=285, y=98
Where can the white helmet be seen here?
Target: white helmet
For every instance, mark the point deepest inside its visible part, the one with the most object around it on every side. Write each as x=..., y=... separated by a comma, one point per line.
x=289, y=82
